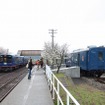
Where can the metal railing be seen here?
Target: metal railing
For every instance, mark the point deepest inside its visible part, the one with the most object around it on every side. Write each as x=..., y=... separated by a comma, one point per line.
x=55, y=86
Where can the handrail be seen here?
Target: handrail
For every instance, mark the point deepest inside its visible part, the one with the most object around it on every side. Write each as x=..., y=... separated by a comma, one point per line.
x=51, y=80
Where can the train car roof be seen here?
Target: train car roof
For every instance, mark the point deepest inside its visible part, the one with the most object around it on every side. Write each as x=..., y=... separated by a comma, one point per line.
x=87, y=49
x=80, y=50
x=11, y=55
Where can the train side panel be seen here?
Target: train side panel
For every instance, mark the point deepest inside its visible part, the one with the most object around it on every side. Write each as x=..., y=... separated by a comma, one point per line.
x=7, y=62
x=91, y=61
x=97, y=59
x=11, y=62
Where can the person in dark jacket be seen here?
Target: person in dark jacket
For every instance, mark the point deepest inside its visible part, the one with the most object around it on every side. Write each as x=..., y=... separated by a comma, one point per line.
x=41, y=62
x=30, y=68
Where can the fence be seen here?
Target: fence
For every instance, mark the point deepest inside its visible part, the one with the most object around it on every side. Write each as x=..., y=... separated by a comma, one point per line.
x=55, y=86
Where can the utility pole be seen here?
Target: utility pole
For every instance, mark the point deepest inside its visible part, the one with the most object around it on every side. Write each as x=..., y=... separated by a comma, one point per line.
x=52, y=31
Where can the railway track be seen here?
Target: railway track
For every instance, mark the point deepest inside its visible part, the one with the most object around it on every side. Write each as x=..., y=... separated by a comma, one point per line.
x=8, y=84
x=98, y=83
x=101, y=80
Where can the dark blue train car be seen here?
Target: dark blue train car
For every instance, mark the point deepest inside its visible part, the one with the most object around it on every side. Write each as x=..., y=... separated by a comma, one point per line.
x=68, y=62
x=11, y=62
x=90, y=60
x=22, y=61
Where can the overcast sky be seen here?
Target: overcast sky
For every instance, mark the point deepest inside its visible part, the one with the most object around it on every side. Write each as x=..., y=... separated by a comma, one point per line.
x=25, y=24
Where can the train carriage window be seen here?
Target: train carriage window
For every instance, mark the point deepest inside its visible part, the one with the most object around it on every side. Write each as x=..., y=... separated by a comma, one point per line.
x=5, y=59
x=9, y=59
x=1, y=58
x=100, y=56
x=75, y=58
x=16, y=59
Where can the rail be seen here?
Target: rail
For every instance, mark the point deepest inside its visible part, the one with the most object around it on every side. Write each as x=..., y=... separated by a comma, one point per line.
x=55, y=86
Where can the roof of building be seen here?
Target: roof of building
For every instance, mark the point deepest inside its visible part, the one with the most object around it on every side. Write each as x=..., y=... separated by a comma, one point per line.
x=29, y=52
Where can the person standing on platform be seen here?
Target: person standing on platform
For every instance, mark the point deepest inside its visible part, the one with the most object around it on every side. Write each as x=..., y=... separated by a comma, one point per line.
x=41, y=62
x=38, y=63
x=30, y=68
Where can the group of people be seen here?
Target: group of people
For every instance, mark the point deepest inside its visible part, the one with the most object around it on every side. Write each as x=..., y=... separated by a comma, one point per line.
x=39, y=63
x=30, y=65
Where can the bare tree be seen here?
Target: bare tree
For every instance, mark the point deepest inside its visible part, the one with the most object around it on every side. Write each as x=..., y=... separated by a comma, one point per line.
x=57, y=53
x=2, y=50
x=62, y=53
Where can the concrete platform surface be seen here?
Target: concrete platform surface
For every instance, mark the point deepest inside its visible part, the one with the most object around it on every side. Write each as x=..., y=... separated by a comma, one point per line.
x=30, y=92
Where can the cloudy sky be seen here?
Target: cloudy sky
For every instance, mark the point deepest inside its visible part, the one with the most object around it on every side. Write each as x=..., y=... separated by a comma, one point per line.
x=25, y=24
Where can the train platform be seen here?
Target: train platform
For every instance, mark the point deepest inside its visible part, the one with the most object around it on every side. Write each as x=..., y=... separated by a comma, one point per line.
x=30, y=92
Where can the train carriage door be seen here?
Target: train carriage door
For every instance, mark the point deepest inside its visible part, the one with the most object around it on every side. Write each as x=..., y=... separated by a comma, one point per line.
x=101, y=59
x=83, y=60
x=1, y=60
x=97, y=59
x=78, y=59
x=92, y=59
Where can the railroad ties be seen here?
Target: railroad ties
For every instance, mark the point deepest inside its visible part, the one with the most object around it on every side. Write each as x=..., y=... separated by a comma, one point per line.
x=9, y=80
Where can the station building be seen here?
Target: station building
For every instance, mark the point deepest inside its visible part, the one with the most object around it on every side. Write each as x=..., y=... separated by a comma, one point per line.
x=34, y=54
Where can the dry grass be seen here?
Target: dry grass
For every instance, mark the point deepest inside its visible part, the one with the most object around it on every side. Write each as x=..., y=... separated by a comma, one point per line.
x=84, y=94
